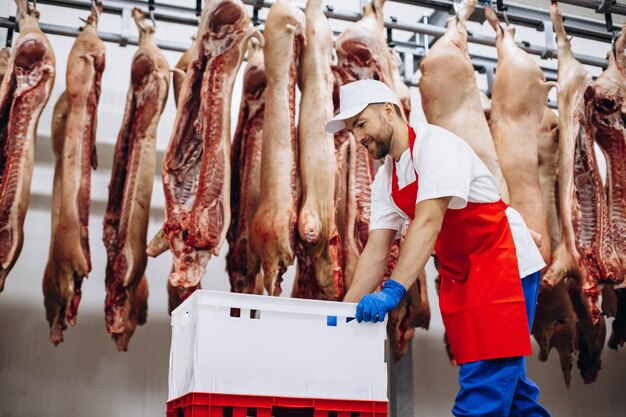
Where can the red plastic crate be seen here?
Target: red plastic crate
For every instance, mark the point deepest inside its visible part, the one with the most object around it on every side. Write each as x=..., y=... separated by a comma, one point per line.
x=198, y=404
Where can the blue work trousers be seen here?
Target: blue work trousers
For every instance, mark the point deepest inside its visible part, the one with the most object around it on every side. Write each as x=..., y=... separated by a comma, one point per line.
x=499, y=387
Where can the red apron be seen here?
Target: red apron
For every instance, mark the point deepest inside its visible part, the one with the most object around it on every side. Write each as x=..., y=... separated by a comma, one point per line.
x=481, y=298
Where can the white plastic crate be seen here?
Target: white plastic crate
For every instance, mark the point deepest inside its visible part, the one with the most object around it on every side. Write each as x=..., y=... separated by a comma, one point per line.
x=291, y=349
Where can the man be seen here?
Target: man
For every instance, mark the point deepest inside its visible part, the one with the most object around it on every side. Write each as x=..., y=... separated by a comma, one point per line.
x=434, y=179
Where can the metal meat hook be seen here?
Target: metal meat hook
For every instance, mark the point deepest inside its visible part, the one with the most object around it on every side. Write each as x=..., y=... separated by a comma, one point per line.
x=151, y=12
x=9, y=39
x=614, y=35
x=455, y=6
x=95, y=10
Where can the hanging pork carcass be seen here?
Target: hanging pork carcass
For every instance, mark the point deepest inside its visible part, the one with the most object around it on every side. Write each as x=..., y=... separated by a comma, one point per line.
x=585, y=252
x=273, y=235
x=130, y=189
x=450, y=95
x=519, y=97
x=246, y=174
x=555, y=323
x=196, y=164
x=69, y=261
x=27, y=80
x=317, y=229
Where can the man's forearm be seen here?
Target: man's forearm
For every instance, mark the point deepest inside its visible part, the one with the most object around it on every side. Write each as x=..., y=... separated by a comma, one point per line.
x=416, y=248
x=370, y=268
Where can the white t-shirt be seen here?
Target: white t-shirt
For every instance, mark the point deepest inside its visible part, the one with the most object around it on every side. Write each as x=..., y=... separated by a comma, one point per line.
x=447, y=167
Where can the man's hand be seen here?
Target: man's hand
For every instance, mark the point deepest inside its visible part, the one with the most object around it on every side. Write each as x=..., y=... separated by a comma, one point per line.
x=374, y=307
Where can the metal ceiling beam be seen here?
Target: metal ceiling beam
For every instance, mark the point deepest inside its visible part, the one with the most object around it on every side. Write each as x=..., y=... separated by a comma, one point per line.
x=519, y=15
x=438, y=31
x=532, y=17
x=596, y=5
x=185, y=15
x=105, y=36
x=162, y=12
x=114, y=6
x=490, y=41
x=117, y=6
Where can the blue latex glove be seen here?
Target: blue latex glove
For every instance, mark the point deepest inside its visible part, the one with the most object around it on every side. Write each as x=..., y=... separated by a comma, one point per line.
x=374, y=307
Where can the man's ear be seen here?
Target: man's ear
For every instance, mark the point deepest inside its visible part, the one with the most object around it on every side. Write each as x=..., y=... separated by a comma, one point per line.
x=389, y=110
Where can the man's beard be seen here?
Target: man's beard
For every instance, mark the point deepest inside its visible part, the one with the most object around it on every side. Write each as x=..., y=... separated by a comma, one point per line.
x=381, y=140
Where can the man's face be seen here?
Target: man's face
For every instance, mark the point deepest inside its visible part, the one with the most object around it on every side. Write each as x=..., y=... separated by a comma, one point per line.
x=372, y=130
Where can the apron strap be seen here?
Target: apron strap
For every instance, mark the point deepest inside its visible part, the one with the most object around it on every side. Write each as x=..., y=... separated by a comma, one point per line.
x=394, y=179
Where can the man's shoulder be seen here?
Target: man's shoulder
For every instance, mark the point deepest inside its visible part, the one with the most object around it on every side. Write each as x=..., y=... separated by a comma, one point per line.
x=434, y=138
x=429, y=130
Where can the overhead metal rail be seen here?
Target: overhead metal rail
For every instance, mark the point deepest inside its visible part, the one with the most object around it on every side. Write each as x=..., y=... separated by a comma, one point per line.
x=105, y=36
x=516, y=14
x=532, y=17
x=600, y=6
x=186, y=15
x=411, y=51
x=162, y=12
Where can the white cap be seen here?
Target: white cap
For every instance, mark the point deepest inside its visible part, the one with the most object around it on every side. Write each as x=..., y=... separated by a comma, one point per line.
x=356, y=96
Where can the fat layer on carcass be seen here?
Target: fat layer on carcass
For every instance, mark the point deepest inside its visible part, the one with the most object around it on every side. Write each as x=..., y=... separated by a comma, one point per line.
x=4, y=62
x=179, y=71
x=548, y=158
x=401, y=89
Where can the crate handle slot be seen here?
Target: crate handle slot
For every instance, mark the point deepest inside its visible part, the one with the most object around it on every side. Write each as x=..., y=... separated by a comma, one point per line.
x=236, y=312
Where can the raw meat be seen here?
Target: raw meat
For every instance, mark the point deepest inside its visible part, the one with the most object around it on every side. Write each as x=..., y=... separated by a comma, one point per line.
x=196, y=165
x=316, y=148
x=28, y=80
x=519, y=97
x=130, y=189
x=605, y=104
x=179, y=71
x=585, y=251
x=4, y=62
x=69, y=261
x=555, y=326
x=457, y=107
x=273, y=235
x=548, y=158
x=246, y=174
